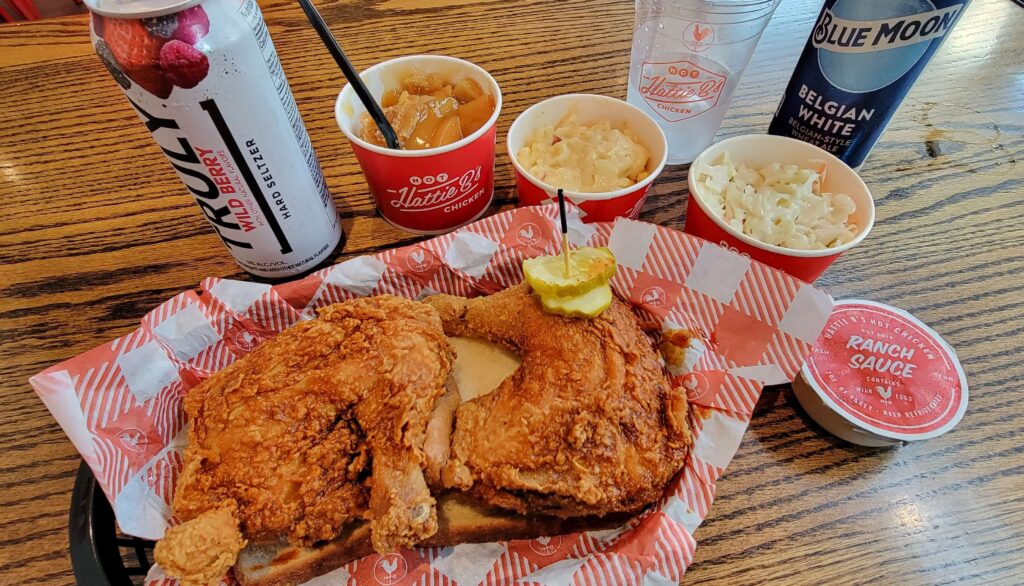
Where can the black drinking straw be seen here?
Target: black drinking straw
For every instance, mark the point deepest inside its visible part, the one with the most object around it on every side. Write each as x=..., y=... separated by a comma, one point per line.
x=350, y=73
x=565, y=230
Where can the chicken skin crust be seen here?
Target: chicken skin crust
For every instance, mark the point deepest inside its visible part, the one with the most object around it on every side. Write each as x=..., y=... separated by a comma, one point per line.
x=322, y=425
x=589, y=424
x=200, y=552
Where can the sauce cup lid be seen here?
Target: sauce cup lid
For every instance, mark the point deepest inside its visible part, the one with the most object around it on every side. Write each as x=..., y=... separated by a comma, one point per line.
x=886, y=373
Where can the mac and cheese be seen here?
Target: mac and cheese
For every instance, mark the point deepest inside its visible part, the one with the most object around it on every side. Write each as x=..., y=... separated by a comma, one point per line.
x=777, y=204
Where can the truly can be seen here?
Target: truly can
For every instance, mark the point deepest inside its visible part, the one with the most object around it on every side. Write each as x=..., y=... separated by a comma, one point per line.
x=860, y=61
x=206, y=81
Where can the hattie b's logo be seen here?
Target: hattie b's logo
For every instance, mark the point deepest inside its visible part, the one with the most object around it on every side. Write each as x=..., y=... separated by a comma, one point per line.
x=419, y=260
x=433, y=192
x=546, y=545
x=884, y=392
x=528, y=235
x=653, y=296
x=133, y=440
x=246, y=340
x=680, y=89
x=698, y=37
x=390, y=569
x=696, y=385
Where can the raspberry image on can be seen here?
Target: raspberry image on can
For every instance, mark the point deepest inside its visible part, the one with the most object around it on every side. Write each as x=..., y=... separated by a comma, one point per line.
x=183, y=64
x=193, y=25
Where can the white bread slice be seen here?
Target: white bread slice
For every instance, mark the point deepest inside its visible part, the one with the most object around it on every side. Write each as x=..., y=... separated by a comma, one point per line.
x=460, y=520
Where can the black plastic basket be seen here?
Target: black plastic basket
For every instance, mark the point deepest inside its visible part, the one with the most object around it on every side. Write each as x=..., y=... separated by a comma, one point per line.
x=100, y=554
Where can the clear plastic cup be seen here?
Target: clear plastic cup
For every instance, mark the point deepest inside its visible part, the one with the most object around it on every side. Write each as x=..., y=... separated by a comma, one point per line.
x=688, y=56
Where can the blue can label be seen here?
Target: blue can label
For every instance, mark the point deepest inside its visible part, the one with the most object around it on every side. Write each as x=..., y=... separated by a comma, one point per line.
x=858, y=65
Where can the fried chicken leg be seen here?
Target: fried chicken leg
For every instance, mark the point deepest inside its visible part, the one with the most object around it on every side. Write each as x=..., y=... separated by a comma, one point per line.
x=321, y=425
x=588, y=425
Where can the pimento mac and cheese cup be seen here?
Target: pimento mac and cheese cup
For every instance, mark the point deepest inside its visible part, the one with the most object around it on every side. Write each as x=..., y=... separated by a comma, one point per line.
x=756, y=151
x=428, y=191
x=589, y=109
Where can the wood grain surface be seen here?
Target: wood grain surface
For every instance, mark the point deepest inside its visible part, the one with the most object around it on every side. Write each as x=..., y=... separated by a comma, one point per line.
x=96, y=230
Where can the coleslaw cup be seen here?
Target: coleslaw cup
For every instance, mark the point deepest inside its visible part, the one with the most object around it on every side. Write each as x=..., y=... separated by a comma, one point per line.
x=589, y=109
x=757, y=150
x=429, y=191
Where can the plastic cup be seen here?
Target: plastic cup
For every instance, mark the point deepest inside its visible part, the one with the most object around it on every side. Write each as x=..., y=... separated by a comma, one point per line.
x=429, y=191
x=687, y=59
x=589, y=109
x=755, y=151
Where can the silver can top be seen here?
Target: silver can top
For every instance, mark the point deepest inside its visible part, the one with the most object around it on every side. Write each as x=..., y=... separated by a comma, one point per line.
x=138, y=8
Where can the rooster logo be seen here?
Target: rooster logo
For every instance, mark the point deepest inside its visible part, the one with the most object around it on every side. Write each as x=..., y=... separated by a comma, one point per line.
x=653, y=296
x=546, y=545
x=419, y=261
x=132, y=439
x=246, y=340
x=389, y=569
x=699, y=37
x=696, y=384
x=527, y=235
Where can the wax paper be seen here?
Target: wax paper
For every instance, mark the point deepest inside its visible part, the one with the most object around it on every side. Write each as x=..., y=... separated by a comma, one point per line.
x=120, y=403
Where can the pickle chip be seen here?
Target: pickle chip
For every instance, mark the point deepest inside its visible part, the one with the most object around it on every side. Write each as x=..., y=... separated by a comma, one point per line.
x=589, y=304
x=588, y=268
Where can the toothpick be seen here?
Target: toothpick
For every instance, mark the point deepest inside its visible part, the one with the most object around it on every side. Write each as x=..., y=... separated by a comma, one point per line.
x=565, y=231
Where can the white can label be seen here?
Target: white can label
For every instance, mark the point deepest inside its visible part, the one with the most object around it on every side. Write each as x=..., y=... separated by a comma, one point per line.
x=208, y=85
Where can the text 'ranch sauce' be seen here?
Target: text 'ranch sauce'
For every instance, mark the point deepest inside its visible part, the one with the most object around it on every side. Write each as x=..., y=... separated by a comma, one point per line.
x=885, y=374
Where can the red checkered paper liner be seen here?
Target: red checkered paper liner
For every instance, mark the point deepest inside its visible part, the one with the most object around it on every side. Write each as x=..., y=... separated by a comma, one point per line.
x=120, y=403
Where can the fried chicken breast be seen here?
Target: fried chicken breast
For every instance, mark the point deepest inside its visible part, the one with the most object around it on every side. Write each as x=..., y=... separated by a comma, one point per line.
x=319, y=426
x=589, y=424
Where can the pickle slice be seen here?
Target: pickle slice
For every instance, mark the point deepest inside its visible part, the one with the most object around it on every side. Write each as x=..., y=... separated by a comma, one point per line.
x=589, y=304
x=588, y=268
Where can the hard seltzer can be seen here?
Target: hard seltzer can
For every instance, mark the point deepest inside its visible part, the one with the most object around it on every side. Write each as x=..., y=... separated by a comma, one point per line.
x=206, y=81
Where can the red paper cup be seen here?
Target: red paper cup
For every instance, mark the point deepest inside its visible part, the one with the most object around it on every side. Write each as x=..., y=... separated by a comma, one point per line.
x=758, y=150
x=589, y=109
x=428, y=191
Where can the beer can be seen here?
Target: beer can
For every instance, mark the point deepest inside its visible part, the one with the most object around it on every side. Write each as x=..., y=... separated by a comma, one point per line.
x=860, y=61
x=204, y=77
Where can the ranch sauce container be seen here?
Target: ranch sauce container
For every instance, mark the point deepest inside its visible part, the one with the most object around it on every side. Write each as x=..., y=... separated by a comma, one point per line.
x=878, y=376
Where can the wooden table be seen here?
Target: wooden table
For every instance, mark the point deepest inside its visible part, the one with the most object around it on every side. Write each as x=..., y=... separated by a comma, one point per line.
x=96, y=230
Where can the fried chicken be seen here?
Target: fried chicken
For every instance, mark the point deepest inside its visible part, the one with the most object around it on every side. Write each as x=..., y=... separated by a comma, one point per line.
x=587, y=425
x=200, y=552
x=321, y=425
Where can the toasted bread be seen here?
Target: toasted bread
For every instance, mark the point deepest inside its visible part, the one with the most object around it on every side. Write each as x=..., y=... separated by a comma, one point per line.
x=460, y=520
